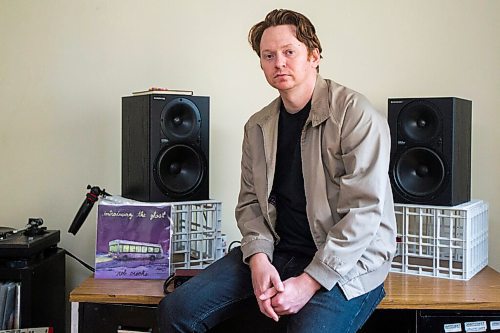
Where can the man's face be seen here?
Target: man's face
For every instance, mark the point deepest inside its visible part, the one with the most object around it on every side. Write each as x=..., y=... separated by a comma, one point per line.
x=285, y=60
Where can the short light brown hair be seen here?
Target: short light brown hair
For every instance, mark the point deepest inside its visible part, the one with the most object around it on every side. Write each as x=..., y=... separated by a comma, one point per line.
x=304, y=29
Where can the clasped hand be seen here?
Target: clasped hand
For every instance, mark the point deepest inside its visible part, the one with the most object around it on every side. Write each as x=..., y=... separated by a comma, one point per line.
x=275, y=297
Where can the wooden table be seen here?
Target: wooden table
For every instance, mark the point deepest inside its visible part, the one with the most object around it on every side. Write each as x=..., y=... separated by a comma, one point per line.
x=419, y=292
x=118, y=299
x=404, y=292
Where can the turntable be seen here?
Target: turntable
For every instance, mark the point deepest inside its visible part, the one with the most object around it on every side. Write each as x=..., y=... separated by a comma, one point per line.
x=28, y=242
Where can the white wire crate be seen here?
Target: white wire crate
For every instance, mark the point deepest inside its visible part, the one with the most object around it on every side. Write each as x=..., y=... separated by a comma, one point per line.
x=197, y=240
x=439, y=241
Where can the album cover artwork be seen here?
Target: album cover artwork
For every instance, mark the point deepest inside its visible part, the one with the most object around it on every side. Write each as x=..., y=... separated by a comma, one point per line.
x=133, y=239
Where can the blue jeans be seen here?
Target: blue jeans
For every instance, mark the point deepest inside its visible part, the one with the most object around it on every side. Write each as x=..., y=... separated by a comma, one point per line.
x=224, y=290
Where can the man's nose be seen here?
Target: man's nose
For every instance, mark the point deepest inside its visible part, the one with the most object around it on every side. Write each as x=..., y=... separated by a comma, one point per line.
x=280, y=61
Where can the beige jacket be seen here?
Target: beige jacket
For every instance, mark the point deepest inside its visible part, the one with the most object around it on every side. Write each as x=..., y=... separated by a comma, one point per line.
x=345, y=149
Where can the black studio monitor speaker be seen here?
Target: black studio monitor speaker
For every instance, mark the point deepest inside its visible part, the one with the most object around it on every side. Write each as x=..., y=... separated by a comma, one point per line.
x=165, y=147
x=430, y=150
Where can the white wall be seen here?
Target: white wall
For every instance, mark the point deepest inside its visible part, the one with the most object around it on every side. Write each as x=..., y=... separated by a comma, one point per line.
x=64, y=66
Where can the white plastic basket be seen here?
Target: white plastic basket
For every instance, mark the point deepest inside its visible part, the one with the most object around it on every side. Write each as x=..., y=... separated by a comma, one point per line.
x=197, y=240
x=439, y=241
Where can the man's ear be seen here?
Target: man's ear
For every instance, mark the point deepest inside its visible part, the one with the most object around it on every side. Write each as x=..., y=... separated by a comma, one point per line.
x=314, y=57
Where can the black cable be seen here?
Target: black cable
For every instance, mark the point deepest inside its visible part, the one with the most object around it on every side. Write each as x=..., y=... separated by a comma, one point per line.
x=231, y=245
x=167, y=283
x=90, y=268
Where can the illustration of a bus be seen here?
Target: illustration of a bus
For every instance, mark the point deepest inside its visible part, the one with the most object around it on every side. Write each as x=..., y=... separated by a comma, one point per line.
x=122, y=249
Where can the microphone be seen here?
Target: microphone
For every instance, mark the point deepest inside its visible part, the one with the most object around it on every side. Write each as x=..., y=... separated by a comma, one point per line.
x=86, y=207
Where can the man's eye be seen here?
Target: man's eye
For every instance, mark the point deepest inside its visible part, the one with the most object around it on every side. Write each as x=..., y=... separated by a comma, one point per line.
x=267, y=56
x=289, y=52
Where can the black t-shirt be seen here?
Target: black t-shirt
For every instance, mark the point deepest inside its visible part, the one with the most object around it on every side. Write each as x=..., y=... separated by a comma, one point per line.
x=288, y=188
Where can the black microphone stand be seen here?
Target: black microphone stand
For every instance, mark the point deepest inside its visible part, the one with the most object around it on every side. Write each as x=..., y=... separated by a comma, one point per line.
x=86, y=207
x=80, y=217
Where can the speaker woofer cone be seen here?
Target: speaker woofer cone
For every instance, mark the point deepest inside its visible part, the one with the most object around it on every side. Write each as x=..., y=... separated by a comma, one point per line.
x=181, y=120
x=419, y=173
x=179, y=170
x=419, y=122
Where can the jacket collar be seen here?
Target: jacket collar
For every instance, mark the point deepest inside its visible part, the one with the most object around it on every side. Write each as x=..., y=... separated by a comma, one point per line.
x=321, y=101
